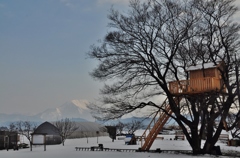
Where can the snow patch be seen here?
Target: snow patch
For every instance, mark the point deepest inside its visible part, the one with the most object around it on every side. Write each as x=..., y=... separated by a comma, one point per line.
x=80, y=103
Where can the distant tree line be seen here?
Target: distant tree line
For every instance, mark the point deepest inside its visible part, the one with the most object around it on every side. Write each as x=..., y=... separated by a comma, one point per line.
x=129, y=127
x=64, y=128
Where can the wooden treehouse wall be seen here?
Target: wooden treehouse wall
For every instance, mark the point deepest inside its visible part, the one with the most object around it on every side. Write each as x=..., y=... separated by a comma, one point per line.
x=201, y=80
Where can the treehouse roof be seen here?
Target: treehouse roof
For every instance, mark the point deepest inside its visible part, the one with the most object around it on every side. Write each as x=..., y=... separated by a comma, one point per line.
x=204, y=66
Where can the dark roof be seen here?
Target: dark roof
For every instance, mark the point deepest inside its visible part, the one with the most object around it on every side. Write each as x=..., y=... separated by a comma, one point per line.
x=46, y=128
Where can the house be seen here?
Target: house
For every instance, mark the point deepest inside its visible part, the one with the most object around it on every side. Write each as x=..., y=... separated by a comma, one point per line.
x=46, y=133
x=8, y=140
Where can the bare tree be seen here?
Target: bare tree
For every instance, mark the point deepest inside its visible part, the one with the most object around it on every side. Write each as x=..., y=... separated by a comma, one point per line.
x=12, y=127
x=65, y=127
x=230, y=121
x=131, y=127
x=154, y=43
x=25, y=128
x=236, y=132
x=120, y=126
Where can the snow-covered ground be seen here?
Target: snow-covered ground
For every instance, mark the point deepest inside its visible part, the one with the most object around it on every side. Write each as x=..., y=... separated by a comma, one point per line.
x=68, y=151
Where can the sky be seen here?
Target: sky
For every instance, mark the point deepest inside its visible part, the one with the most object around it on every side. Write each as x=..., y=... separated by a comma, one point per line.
x=43, y=46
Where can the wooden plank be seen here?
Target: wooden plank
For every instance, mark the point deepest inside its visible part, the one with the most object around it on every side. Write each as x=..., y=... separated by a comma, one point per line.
x=199, y=85
x=158, y=125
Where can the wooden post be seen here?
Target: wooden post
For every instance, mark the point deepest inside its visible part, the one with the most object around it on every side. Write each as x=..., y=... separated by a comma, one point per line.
x=44, y=142
x=31, y=142
x=6, y=142
x=97, y=135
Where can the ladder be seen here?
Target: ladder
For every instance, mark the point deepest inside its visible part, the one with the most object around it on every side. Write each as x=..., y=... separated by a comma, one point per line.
x=157, y=125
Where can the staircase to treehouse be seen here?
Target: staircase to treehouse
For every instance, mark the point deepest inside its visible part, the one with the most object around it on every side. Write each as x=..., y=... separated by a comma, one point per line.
x=156, y=125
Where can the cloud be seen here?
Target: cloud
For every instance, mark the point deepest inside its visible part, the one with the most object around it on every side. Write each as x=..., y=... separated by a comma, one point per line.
x=67, y=3
x=122, y=2
x=237, y=3
x=236, y=17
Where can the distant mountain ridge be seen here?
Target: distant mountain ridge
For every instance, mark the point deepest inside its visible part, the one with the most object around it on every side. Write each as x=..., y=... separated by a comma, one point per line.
x=74, y=109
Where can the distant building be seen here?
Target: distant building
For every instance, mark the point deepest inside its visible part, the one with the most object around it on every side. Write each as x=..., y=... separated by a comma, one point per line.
x=89, y=129
x=8, y=140
x=47, y=130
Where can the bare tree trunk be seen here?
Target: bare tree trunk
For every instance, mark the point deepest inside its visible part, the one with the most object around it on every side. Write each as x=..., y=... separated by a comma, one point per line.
x=195, y=141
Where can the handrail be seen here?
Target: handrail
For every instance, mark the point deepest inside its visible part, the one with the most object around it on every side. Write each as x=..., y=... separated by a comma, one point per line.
x=152, y=121
x=158, y=125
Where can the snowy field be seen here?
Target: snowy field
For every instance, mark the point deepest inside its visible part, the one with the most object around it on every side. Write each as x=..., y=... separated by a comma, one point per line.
x=68, y=151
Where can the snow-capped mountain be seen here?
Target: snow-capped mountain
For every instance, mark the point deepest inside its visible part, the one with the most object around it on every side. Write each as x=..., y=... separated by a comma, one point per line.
x=75, y=110
x=71, y=109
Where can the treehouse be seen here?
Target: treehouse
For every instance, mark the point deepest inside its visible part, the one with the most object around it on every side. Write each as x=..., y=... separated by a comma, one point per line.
x=202, y=78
